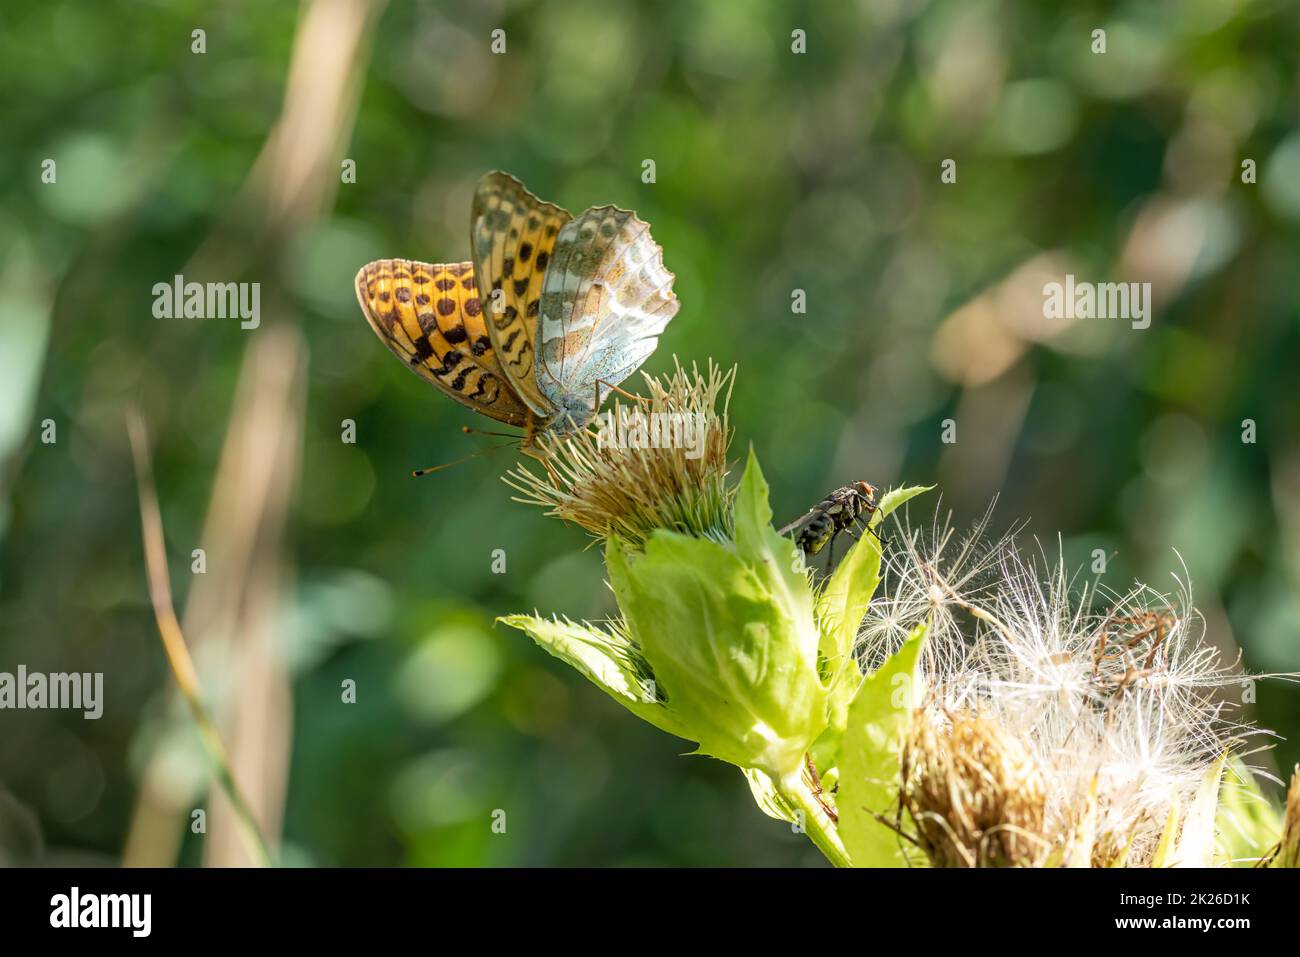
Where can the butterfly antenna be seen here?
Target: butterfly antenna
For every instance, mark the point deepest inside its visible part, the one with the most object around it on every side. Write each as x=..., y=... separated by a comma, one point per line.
x=473, y=455
x=505, y=435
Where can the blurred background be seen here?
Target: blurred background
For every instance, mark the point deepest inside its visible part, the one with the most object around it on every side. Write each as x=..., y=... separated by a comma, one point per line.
x=776, y=171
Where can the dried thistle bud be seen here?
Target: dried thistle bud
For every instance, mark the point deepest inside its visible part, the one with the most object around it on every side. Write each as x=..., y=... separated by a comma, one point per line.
x=974, y=791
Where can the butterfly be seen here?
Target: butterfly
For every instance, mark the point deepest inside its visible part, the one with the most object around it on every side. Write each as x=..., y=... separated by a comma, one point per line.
x=551, y=313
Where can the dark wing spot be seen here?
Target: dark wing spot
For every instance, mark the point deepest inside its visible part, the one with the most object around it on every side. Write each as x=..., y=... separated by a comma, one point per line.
x=446, y=307
x=456, y=335
x=445, y=284
x=481, y=345
x=472, y=307
x=542, y=259
x=459, y=382
x=508, y=266
x=383, y=296
x=421, y=300
x=521, y=286
x=403, y=294
x=422, y=349
x=532, y=308
x=525, y=252
x=449, y=362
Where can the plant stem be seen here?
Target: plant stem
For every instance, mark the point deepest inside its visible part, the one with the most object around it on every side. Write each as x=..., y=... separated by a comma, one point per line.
x=816, y=823
x=177, y=652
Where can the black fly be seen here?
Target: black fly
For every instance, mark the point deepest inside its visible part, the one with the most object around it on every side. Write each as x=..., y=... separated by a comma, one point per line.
x=838, y=512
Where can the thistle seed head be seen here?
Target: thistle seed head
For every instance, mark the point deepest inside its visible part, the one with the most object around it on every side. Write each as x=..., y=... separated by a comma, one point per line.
x=1100, y=706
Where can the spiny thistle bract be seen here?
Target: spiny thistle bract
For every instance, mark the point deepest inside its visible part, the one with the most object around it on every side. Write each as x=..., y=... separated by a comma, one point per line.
x=984, y=710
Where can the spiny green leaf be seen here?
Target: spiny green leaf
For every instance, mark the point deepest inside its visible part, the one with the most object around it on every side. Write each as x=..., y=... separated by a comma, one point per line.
x=841, y=606
x=606, y=659
x=1248, y=823
x=731, y=655
x=766, y=797
x=1164, y=852
x=1196, y=842
x=775, y=559
x=870, y=761
x=1288, y=849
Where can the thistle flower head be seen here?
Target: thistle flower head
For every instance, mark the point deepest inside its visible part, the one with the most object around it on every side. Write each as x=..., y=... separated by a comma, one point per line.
x=659, y=463
x=1054, y=707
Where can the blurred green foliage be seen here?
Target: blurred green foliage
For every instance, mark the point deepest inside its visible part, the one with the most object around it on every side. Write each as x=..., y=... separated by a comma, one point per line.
x=776, y=171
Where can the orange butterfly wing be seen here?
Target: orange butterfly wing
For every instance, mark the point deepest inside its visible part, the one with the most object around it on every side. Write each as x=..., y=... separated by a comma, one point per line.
x=430, y=317
x=512, y=234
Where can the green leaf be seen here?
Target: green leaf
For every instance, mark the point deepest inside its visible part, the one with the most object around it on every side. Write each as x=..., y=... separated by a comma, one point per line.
x=870, y=763
x=843, y=603
x=845, y=600
x=1078, y=853
x=1248, y=823
x=841, y=606
x=606, y=659
x=775, y=559
x=1288, y=848
x=1196, y=842
x=769, y=801
x=1164, y=847
x=736, y=662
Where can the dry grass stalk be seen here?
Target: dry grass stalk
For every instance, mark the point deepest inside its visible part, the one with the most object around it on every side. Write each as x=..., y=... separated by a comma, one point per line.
x=173, y=640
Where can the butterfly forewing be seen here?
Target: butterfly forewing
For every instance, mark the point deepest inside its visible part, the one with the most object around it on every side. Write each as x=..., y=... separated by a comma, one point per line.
x=431, y=318
x=512, y=236
x=606, y=299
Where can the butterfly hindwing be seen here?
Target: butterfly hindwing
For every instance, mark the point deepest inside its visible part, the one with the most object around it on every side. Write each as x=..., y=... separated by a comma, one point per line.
x=431, y=318
x=606, y=299
x=512, y=237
